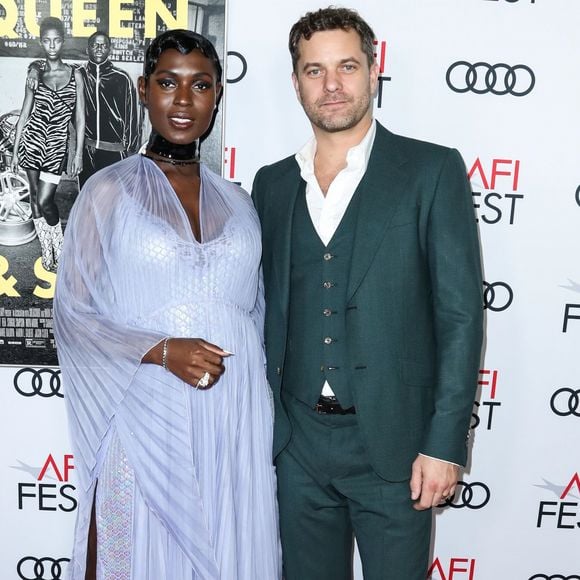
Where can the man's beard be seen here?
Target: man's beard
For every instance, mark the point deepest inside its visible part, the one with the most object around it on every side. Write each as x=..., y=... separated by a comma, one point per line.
x=333, y=122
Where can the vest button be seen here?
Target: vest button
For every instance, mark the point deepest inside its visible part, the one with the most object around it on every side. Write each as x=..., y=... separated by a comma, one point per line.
x=328, y=340
x=328, y=256
x=327, y=312
x=327, y=285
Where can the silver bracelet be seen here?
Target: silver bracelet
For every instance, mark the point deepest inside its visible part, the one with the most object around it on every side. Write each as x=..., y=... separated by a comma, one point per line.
x=164, y=353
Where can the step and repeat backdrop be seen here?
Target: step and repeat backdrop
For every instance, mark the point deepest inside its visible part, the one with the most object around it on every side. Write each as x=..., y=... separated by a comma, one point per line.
x=497, y=79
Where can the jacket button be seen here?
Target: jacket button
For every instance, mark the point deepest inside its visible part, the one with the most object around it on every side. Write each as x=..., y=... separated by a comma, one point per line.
x=278, y=371
x=328, y=340
x=327, y=285
x=328, y=256
x=327, y=312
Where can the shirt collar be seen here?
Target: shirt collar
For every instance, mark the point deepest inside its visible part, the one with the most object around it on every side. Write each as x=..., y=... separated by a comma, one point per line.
x=357, y=157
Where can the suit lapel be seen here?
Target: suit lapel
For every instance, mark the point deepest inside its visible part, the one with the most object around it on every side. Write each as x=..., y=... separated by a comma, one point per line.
x=381, y=190
x=281, y=235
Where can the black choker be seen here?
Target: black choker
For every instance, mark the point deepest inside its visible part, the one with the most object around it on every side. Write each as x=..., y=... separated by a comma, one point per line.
x=171, y=152
x=172, y=161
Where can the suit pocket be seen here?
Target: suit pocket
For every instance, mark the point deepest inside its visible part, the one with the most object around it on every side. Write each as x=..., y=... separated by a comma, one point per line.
x=417, y=374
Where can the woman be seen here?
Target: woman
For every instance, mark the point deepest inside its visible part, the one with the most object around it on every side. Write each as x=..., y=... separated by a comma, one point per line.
x=41, y=140
x=173, y=434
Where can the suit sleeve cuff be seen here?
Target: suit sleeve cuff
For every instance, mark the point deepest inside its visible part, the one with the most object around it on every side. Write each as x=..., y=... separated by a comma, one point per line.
x=442, y=460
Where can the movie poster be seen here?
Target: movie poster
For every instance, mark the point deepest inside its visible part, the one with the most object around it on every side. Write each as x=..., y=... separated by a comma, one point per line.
x=104, y=45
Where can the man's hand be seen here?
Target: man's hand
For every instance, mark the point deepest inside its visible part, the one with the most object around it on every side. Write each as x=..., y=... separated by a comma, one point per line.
x=432, y=481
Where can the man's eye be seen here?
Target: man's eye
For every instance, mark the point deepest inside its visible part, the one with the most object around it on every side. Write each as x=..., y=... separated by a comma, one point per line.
x=349, y=67
x=313, y=72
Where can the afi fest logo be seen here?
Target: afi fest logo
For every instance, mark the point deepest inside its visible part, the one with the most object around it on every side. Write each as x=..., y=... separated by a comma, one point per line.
x=497, y=79
x=452, y=569
x=563, y=514
x=381, y=56
x=483, y=412
x=33, y=568
x=571, y=311
x=495, y=183
x=42, y=495
x=230, y=164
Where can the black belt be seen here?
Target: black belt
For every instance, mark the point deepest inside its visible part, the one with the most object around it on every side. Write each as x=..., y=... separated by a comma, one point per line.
x=331, y=406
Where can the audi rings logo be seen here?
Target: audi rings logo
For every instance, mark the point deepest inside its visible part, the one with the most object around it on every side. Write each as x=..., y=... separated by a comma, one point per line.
x=554, y=577
x=31, y=568
x=42, y=382
x=240, y=70
x=497, y=296
x=565, y=402
x=498, y=79
x=473, y=496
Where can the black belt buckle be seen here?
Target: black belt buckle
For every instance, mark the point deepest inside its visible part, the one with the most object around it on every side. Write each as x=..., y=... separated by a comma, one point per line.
x=331, y=406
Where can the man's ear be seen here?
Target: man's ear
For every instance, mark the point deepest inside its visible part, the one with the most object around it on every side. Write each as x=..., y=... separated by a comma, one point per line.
x=296, y=87
x=374, y=78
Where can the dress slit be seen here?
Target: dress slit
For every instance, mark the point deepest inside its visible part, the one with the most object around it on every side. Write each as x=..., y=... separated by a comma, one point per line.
x=91, y=562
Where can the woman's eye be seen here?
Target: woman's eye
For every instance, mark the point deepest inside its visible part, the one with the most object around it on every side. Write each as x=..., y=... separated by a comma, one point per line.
x=201, y=86
x=165, y=83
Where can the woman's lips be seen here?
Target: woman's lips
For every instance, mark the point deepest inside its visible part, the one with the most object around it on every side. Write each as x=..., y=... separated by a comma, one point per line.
x=181, y=122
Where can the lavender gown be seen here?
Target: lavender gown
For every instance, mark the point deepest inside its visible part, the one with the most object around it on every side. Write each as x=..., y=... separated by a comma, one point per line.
x=185, y=487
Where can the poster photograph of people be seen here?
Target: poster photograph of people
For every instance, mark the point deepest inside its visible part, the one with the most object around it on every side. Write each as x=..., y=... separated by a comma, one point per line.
x=69, y=107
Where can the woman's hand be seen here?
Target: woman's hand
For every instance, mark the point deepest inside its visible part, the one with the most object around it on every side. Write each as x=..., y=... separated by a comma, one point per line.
x=189, y=359
x=76, y=165
x=14, y=163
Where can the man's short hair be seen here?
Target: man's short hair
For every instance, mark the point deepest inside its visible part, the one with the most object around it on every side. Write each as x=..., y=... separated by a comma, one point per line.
x=331, y=19
x=98, y=33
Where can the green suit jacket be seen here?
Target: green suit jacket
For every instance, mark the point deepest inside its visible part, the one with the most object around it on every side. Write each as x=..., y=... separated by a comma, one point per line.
x=414, y=303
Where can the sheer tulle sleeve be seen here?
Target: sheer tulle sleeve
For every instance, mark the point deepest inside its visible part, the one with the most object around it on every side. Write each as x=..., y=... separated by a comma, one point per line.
x=98, y=352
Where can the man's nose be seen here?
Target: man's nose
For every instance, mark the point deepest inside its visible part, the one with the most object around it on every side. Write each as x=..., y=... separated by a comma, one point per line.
x=332, y=81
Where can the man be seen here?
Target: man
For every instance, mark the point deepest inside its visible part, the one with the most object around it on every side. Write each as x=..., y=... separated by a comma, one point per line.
x=113, y=121
x=373, y=319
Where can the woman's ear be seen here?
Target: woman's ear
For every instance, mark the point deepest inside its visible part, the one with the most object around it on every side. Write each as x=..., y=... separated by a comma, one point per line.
x=142, y=90
x=219, y=94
